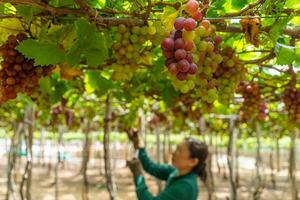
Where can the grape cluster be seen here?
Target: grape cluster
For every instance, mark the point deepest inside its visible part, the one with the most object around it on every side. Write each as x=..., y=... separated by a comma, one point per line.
x=253, y=105
x=177, y=47
x=132, y=48
x=18, y=74
x=230, y=73
x=291, y=99
x=208, y=59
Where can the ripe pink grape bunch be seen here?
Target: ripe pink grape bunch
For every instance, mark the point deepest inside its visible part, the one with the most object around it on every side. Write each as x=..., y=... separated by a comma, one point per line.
x=291, y=99
x=132, y=48
x=18, y=74
x=253, y=107
x=177, y=47
x=229, y=75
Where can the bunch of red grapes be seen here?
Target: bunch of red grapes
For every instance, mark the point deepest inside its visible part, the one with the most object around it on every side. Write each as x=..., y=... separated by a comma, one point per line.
x=18, y=74
x=178, y=46
x=253, y=105
x=291, y=99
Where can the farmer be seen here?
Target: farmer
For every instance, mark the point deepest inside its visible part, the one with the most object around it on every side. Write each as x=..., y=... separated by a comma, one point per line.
x=188, y=162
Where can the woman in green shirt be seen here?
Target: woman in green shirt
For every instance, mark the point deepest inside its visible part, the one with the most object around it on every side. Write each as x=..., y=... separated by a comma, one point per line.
x=188, y=163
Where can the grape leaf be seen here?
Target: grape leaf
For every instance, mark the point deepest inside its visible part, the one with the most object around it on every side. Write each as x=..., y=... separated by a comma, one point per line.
x=97, y=3
x=285, y=54
x=168, y=18
x=238, y=4
x=278, y=27
x=27, y=12
x=295, y=4
x=97, y=82
x=217, y=8
x=42, y=53
x=61, y=3
x=45, y=84
x=90, y=44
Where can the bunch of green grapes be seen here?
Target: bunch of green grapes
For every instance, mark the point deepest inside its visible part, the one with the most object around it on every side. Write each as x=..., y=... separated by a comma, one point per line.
x=208, y=59
x=17, y=73
x=132, y=48
x=291, y=99
x=253, y=107
x=229, y=75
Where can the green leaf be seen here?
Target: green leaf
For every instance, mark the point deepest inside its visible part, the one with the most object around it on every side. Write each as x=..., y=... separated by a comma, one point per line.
x=58, y=89
x=90, y=44
x=97, y=82
x=295, y=4
x=73, y=58
x=238, y=4
x=45, y=85
x=167, y=94
x=2, y=9
x=217, y=8
x=61, y=3
x=27, y=12
x=285, y=54
x=42, y=53
x=97, y=3
x=278, y=27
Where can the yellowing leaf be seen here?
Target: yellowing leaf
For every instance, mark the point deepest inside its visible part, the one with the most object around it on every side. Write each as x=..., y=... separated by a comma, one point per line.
x=68, y=73
x=168, y=18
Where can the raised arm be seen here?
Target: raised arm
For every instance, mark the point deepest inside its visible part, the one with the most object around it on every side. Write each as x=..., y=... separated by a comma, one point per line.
x=160, y=171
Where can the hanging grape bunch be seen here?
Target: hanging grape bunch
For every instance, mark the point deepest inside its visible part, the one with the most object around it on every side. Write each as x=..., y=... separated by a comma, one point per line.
x=253, y=105
x=177, y=48
x=132, y=48
x=229, y=75
x=291, y=99
x=18, y=74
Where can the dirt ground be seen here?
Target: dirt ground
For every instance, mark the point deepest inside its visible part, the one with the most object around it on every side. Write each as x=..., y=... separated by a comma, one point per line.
x=70, y=184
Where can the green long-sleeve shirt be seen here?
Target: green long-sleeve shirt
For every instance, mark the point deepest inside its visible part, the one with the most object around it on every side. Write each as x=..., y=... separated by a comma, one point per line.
x=177, y=187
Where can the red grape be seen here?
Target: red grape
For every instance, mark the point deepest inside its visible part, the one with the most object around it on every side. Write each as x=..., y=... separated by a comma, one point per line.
x=205, y=23
x=169, y=61
x=217, y=40
x=197, y=16
x=179, y=43
x=193, y=69
x=179, y=23
x=192, y=6
x=189, y=45
x=181, y=76
x=189, y=24
x=173, y=68
x=168, y=53
x=180, y=54
x=183, y=65
x=189, y=57
x=177, y=34
x=167, y=43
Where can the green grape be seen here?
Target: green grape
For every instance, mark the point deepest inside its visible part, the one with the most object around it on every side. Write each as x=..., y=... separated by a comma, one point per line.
x=188, y=35
x=200, y=31
x=122, y=28
x=134, y=38
x=202, y=46
x=136, y=30
x=184, y=88
x=144, y=30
